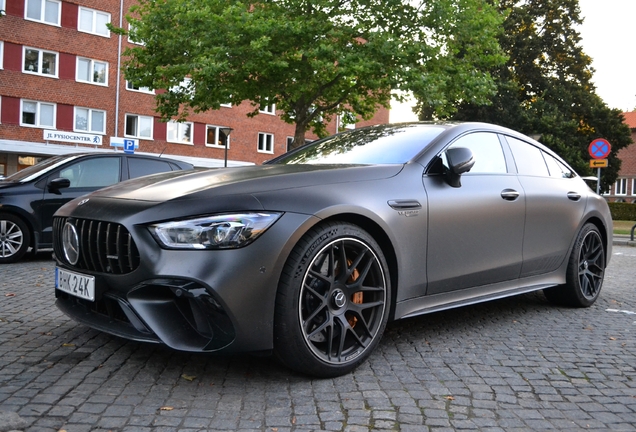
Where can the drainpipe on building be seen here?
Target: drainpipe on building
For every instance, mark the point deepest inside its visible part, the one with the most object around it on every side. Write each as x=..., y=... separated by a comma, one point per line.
x=121, y=22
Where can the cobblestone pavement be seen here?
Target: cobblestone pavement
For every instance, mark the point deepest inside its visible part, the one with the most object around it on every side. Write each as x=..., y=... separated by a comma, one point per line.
x=514, y=364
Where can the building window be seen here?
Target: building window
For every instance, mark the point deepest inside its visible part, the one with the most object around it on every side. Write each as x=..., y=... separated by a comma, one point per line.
x=37, y=114
x=45, y=11
x=184, y=87
x=265, y=143
x=268, y=109
x=132, y=35
x=214, y=137
x=179, y=132
x=132, y=87
x=290, y=142
x=40, y=62
x=92, y=71
x=93, y=21
x=620, y=187
x=138, y=126
x=90, y=120
x=634, y=186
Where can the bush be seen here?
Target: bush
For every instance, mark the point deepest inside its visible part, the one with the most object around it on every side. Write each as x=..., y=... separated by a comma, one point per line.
x=623, y=211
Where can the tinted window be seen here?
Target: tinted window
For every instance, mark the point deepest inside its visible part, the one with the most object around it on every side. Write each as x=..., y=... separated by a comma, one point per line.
x=556, y=168
x=387, y=144
x=93, y=173
x=487, y=151
x=528, y=158
x=141, y=167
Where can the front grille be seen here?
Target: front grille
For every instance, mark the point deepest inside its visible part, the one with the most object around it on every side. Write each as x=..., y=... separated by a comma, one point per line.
x=104, y=246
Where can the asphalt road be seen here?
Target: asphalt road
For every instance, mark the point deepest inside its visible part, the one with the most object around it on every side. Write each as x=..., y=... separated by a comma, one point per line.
x=514, y=364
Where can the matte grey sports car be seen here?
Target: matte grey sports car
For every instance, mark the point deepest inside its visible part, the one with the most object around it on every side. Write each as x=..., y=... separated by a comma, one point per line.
x=310, y=255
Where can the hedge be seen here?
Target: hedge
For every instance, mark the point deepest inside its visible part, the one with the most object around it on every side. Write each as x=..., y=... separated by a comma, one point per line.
x=623, y=211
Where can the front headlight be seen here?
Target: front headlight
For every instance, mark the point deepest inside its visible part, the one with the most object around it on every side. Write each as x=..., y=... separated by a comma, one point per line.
x=226, y=231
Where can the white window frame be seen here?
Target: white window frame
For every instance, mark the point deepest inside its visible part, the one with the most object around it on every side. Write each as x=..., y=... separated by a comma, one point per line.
x=267, y=139
x=1, y=44
x=173, y=127
x=227, y=105
x=267, y=109
x=132, y=41
x=634, y=187
x=131, y=87
x=38, y=123
x=90, y=120
x=94, y=29
x=152, y=124
x=42, y=18
x=91, y=69
x=3, y=9
x=40, y=62
x=620, y=187
x=216, y=137
x=183, y=87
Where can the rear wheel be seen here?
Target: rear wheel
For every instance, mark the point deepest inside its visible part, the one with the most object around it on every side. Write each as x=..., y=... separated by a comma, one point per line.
x=585, y=273
x=333, y=301
x=14, y=238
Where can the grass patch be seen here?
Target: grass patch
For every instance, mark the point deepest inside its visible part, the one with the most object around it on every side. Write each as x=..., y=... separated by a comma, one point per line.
x=623, y=227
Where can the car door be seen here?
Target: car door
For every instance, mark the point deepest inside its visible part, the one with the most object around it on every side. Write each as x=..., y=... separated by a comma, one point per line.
x=475, y=231
x=555, y=201
x=86, y=175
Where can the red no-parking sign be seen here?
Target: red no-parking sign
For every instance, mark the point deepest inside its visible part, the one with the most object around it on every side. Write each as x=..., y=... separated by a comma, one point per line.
x=599, y=148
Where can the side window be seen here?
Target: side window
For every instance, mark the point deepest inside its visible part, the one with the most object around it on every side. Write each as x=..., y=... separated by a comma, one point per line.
x=140, y=167
x=487, y=151
x=93, y=173
x=528, y=158
x=556, y=168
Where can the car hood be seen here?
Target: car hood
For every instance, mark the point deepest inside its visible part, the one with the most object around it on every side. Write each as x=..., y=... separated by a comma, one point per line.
x=241, y=180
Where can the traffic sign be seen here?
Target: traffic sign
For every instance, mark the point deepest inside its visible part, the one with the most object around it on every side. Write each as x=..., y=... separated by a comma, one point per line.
x=129, y=146
x=599, y=148
x=598, y=163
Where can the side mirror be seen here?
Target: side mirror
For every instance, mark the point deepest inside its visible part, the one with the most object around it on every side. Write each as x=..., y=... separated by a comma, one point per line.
x=55, y=185
x=460, y=161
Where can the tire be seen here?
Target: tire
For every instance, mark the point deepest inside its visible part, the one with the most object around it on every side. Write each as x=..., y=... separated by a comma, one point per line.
x=14, y=238
x=585, y=272
x=328, y=321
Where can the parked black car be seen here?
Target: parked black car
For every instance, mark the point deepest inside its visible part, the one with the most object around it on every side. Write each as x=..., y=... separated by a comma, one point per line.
x=309, y=255
x=29, y=197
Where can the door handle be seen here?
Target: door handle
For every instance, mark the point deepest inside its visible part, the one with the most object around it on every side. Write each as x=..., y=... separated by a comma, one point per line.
x=509, y=194
x=574, y=196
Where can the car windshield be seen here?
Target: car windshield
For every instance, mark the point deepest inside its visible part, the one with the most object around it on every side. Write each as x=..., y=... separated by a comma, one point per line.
x=36, y=170
x=386, y=144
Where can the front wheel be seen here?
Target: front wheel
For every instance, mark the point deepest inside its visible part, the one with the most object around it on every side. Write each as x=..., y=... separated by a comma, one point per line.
x=585, y=273
x=333, y=301
x=14, y=238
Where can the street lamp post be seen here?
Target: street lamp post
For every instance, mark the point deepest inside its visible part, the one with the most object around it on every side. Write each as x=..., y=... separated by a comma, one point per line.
x=226, y=131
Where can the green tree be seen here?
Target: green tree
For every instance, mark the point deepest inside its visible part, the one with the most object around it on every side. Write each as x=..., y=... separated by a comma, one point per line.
x=313, y=58
x=545, y=87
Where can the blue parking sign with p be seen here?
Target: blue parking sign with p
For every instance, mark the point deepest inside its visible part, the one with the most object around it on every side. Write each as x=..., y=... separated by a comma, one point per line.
x=129, y=146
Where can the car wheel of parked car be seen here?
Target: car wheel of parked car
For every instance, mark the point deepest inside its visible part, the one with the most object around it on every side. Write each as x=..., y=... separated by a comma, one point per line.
x=14, y=238
x=333, y=301
x=585, y=273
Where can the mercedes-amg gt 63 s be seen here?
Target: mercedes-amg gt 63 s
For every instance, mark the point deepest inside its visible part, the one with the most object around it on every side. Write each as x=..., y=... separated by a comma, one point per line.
x=309, y=255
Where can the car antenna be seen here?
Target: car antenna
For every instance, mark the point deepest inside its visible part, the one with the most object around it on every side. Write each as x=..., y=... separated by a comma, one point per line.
x=164, y=149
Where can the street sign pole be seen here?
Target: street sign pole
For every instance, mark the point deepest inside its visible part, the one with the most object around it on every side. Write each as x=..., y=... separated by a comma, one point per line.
x=599, y=149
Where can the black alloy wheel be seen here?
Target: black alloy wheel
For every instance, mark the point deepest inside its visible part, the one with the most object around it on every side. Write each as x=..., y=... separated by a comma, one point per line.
x=333, y=302
x=585, y=273
x=14, y=238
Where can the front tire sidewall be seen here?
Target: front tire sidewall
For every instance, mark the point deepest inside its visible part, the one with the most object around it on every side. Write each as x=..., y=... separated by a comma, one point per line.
x=290, y=343
x=13, y=225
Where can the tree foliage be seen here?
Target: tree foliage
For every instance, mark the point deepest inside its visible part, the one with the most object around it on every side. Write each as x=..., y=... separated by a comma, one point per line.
x=313, y=58
x=545, y=87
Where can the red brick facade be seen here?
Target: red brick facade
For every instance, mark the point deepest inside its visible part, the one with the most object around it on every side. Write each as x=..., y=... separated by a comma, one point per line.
x=18, y=34
x=624, y=190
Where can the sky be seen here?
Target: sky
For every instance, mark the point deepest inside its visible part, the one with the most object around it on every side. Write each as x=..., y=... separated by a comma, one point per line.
x=607, y=34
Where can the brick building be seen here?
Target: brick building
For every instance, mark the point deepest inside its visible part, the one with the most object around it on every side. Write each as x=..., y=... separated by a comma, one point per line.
x=61, y=91
x=624, y=190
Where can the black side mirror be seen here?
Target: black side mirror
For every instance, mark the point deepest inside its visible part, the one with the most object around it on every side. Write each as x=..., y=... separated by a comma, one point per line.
x=55, y=185
x=460, y=161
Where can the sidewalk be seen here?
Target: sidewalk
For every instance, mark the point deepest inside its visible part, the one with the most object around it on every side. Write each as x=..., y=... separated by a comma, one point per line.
x=624, y=240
